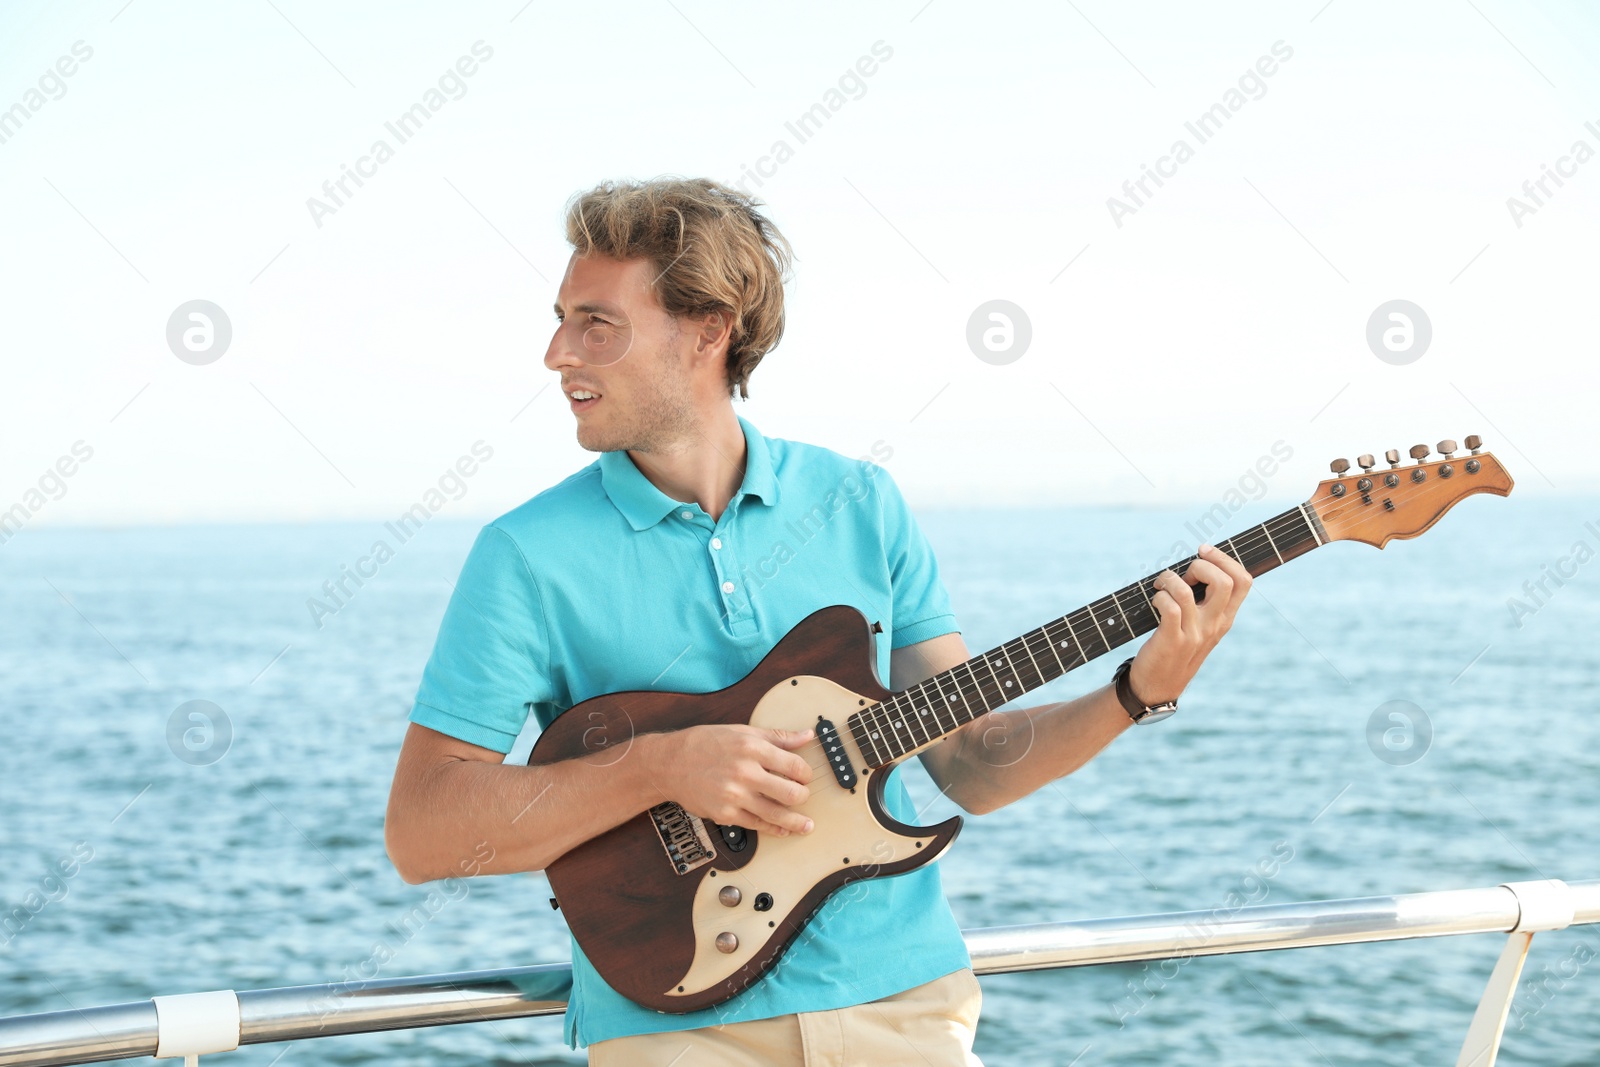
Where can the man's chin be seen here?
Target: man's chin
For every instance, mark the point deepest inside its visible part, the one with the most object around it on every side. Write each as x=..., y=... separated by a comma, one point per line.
x=593, y=440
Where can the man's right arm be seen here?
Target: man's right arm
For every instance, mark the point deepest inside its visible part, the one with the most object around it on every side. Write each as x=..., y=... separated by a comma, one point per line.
x=450, y=798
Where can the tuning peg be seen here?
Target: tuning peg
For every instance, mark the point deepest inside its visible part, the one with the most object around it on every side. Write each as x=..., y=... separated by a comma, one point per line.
x=1474, y=442
x=1419, y=452
x=1446, y=447
x=1393, y=456
x=1365, y=461
x=1339, y=466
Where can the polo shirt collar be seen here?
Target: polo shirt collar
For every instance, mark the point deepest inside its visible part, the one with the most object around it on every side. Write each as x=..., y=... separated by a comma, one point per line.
x=643, y=505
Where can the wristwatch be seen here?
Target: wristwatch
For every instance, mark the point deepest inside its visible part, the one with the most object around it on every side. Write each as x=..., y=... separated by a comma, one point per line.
x=1141, y=713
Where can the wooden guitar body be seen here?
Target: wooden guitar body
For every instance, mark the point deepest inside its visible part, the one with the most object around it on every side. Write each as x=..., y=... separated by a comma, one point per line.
x=680, y=940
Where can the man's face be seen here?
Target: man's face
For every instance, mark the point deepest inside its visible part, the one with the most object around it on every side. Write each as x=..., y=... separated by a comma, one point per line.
x=615, y=340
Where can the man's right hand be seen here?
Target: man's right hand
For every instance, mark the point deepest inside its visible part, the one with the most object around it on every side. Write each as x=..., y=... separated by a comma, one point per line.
x=737, y=775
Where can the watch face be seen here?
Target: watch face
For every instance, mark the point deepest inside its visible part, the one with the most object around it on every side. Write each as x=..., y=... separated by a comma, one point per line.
x=1156, y=715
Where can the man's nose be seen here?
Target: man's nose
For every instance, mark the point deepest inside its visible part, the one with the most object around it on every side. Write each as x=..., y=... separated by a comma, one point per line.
x=560, y=352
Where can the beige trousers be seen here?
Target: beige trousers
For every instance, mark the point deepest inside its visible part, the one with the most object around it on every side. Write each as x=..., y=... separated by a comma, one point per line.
x=931, y=1025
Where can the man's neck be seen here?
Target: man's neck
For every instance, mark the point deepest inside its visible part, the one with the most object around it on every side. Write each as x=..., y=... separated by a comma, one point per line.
x=705, y=467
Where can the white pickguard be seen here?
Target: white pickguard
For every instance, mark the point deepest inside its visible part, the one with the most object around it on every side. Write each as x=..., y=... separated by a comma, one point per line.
x=845, y=835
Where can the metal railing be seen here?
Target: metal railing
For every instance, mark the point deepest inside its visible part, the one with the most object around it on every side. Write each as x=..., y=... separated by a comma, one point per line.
x=192, y=1024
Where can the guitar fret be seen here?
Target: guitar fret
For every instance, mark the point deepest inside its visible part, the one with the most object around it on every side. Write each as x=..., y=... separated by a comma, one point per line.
x=1309, y=524
x=1050, y=643
x=1242, y=558
x=1038, y=675
x=919, y=713
x=1037, y=672
x=929, y=707
x=1083, y=656
x=1129, y=628
x=893, y=725
x=1294, y=533
x=1094, y=618
x=987, y=707
x=1273, y=543
x=1010, y=661
x=861, y=729
x=1150, y=603
x=905, y=734
x=1119, y=617
x=877, y=724
x=962, y=712
x=946, y=703
x=999, y=690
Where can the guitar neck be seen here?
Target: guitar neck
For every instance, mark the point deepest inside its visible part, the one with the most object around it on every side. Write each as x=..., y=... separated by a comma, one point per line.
x=925, y=712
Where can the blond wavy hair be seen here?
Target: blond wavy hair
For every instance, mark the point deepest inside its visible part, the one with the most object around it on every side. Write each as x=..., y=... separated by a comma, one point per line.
x=711, y=249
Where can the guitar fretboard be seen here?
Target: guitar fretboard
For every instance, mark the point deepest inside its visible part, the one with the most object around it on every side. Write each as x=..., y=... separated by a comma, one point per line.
x=925, y=712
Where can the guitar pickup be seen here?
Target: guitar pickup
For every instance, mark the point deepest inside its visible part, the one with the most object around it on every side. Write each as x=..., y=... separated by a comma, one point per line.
x=838, y=759
x=684, y=837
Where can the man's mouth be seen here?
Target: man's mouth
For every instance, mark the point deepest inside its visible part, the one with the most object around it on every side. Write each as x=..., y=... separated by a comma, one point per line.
x=582, y=399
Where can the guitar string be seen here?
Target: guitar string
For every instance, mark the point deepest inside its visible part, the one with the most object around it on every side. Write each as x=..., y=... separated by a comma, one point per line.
x=1247, y=543
x=880, y=716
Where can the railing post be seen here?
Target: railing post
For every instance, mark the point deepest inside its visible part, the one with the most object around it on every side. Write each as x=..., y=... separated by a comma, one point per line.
x=1544, y=905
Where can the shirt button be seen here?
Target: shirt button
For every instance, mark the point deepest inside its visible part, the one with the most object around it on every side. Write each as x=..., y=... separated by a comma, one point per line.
x=687, y=514
x=727, y=587
x=716, y=542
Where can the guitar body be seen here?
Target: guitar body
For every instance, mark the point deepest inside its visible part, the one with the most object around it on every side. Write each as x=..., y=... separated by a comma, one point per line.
x=677, y=939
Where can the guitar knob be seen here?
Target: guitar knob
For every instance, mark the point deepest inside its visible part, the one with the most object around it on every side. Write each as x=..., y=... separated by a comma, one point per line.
x=729, y=895
x=1339, y=466
x=1446, y=447
x=1393, y=457
x=1419, y=452
x=1474, y=442
x=727, y=941
x=1365, y=461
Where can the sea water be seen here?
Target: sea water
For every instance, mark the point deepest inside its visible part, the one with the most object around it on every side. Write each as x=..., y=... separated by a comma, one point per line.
x=244, y=849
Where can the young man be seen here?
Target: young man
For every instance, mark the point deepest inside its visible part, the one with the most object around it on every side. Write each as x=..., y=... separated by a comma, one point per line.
x=671, y=563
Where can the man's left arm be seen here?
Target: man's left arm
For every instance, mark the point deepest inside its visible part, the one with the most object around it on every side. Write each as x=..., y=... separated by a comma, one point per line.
x=1005, y=755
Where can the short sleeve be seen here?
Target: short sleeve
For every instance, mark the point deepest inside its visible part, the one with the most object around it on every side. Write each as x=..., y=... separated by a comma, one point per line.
x=921, y=604
x=491, y=661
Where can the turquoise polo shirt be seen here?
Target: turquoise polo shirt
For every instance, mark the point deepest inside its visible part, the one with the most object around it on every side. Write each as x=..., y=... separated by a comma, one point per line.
x=604, y=583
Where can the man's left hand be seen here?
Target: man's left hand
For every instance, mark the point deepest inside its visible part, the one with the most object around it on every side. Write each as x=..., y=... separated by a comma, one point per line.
x=1187, y=632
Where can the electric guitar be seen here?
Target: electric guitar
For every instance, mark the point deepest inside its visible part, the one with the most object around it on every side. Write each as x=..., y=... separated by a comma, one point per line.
x=678, y=913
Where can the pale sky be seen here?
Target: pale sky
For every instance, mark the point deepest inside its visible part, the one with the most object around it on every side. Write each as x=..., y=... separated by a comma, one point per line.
x=1171, y=347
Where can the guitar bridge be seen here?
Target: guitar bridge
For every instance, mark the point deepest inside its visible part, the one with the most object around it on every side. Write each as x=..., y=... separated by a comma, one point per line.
x=684, y=837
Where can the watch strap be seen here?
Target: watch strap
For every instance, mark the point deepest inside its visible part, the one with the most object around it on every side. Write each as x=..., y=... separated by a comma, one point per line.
x=1140, y=712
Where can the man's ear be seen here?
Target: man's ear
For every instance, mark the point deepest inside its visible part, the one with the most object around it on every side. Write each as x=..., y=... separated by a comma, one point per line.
x=714, y=333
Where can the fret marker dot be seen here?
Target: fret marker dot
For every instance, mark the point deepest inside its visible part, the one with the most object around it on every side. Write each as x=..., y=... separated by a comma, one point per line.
x=1008, y=683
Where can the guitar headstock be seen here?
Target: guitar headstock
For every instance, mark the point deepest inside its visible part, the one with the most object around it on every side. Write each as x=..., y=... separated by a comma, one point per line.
x=1377, y=506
